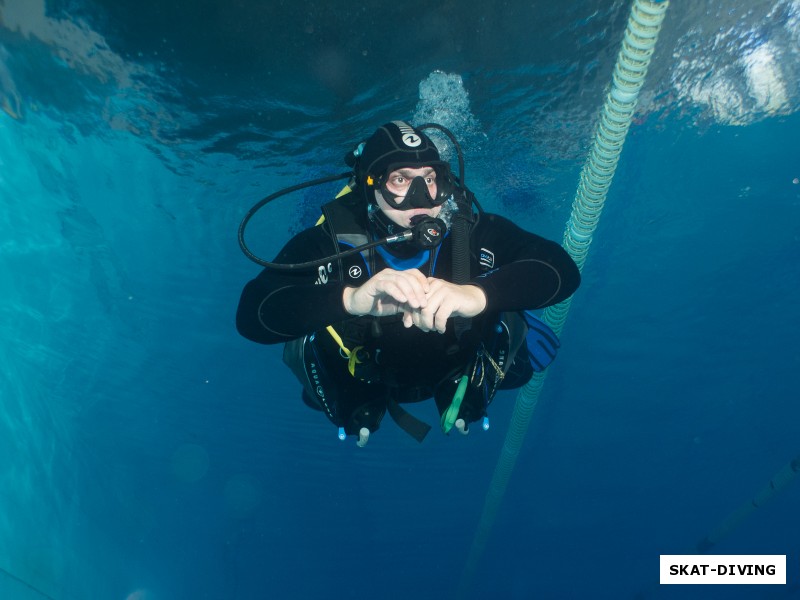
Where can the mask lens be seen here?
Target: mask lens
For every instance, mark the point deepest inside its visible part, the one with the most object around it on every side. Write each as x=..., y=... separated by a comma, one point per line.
x=404, y=190
x=398, y=184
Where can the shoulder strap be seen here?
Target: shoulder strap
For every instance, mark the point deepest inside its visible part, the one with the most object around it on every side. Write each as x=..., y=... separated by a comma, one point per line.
x=345, y=218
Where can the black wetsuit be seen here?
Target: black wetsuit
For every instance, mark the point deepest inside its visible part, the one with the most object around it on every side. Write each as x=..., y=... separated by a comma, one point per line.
x=516, y=269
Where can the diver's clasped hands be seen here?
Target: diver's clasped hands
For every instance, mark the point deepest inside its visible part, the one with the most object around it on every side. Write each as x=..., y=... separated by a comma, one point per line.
x=426, y=302
x=442, y=301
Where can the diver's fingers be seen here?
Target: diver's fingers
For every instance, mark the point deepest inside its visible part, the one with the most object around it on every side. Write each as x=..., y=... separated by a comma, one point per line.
x=418, y=283
x=424, y=318
x=443, y=312
x=382, y=290
x=447, y=300
x=418, y=276
x=404, y=286
x=462, y=300
x=440, y=305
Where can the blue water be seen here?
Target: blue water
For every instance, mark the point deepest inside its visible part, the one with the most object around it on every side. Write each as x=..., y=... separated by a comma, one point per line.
x=149, y=453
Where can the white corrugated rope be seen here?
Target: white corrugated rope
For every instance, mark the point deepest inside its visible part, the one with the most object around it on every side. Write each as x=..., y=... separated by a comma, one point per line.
x=630, y=70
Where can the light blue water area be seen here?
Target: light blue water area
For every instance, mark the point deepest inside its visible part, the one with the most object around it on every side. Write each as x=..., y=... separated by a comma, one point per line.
x=150, y=453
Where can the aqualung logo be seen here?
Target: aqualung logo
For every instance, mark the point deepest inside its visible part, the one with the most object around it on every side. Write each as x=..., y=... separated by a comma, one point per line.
x=354, y=272
x=317, y=385
x=486, y=259
x=318, y=389
x=409, y=136
x=412, y=140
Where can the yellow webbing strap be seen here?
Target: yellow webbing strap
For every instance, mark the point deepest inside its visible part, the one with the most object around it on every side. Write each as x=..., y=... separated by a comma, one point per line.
x=345, y=190
x=337, y=338
x=352, y=355
x=354, y=360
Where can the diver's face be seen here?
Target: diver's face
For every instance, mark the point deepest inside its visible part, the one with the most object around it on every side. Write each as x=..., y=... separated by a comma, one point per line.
x=398, y=183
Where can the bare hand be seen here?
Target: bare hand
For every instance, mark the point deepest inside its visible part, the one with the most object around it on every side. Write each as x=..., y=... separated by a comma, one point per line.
x=388, y=293
x=445, y=300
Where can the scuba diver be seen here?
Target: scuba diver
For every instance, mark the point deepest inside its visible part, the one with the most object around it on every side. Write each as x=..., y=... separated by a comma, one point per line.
x=404, y=292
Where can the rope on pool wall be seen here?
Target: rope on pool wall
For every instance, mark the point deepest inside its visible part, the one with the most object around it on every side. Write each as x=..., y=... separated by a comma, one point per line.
x=778, y=482
x=25, y=584
x=630, y=70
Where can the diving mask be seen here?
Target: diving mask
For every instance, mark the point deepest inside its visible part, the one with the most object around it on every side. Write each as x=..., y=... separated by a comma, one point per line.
x=404, y=191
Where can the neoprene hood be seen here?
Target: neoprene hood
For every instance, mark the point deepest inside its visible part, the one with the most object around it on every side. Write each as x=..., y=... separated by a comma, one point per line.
x=395, y=143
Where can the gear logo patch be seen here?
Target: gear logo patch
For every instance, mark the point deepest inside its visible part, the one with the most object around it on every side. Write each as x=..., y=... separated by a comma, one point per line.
x=410, y=137
x=354, y=272
x=412, y=140
x=486, y=258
